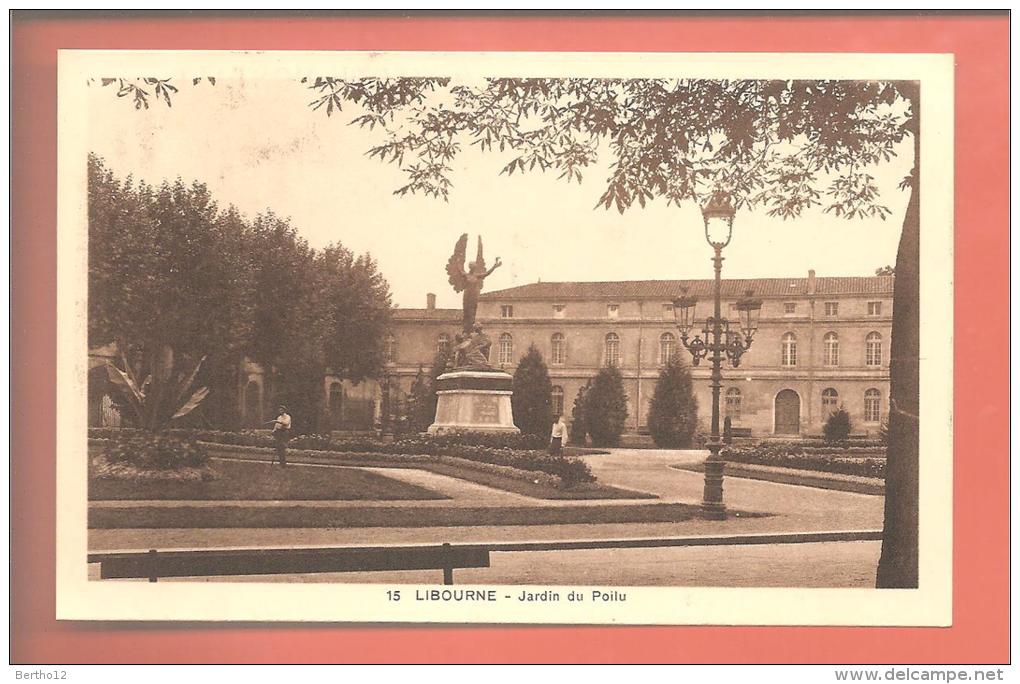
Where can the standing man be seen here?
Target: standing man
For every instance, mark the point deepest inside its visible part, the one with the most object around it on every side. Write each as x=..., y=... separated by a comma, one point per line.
x=559, y=436
x=281, y=433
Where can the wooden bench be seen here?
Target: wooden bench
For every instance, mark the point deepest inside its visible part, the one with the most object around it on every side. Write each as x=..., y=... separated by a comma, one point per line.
x=153, y=564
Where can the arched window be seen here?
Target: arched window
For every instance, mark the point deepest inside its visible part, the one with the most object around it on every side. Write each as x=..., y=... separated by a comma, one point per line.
x=733, y=399
x=873, y=349
x=557, y=400
x=789, y=349
x=667, y=347
x=872, y=406
x=830, y=401
x=506, y=348
x=559, y=349
x=390, y=348
x=443, y=343
x=830, y=343
x=612, y=349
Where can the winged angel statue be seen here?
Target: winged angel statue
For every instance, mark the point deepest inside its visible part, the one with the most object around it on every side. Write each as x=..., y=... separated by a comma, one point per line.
x=472, y=344
x=469, y=282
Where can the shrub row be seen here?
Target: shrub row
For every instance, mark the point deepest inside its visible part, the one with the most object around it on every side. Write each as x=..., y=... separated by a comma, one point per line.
x=862, y=466
x=354, y=443
x=819, y=450
x=470, y=446
x=812, y=442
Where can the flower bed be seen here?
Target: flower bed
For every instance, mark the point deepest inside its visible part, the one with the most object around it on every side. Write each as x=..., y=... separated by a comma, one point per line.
x=478, y=448
x=140, y=456
x=102, y=468
x=820, y=446
x=860, y=461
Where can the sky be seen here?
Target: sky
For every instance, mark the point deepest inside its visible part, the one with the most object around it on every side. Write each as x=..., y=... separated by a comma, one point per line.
x=257, y=146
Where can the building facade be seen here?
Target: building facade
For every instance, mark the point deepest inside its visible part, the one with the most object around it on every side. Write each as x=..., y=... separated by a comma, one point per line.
x=822, y=343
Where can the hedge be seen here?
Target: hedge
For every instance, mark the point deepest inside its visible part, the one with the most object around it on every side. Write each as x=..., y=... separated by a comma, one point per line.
x=786, y=457
x=480, y=448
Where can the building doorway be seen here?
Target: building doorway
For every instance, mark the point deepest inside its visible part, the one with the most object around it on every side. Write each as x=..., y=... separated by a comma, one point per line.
x=787, y=413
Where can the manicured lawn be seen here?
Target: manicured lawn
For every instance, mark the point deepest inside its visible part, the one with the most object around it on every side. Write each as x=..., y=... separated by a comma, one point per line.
x=537, y=490
x=463, y=469
x=386, y=516
x=239, y=481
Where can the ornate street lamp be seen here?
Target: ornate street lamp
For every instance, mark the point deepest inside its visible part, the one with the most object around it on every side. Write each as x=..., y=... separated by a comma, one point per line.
x=719, y=341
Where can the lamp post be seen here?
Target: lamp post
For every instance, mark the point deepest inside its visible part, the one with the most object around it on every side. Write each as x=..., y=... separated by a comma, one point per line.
x=719, y=341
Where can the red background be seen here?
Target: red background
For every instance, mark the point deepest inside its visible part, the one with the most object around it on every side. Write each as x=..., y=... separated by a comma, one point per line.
x=980, y=632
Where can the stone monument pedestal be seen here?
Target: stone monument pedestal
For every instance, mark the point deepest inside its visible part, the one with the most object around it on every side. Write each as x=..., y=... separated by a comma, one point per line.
x=474, y=401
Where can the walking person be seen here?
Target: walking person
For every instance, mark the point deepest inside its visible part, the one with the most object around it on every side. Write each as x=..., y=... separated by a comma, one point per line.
x=281, y=433
x=558, y=437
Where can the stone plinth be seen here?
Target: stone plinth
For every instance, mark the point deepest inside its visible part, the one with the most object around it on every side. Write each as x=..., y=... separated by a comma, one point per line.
x=474, y=401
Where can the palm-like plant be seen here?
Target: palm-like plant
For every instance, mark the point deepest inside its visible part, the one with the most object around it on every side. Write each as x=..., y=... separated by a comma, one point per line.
x=159, y=398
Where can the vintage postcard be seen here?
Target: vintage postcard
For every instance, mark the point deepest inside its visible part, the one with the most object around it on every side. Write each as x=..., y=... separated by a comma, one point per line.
x=505, y=338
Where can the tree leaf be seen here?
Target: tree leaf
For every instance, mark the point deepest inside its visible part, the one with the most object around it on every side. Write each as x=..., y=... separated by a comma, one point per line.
x=192, y=403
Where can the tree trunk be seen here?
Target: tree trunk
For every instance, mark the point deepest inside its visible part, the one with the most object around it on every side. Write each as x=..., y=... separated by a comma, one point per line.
x=898, y=565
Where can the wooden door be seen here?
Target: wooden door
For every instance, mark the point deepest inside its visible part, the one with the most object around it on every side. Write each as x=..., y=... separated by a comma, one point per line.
x=787, y=413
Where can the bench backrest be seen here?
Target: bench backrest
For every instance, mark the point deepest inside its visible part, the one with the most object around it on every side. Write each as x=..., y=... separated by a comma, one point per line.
x=283, y=561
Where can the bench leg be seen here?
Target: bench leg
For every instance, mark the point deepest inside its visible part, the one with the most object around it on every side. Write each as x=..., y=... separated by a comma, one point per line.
x=447, y=570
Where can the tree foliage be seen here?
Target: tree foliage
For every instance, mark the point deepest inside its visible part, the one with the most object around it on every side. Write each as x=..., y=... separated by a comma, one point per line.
x=781, y=146
x=422, y=412
x=174, y=279
x=837, y=426
x=673, y=411
x=578, y=432
x=423, y=400
x=532, y=394
x=605, y=408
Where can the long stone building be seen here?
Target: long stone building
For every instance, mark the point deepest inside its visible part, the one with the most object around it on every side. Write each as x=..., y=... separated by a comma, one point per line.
x=823, y=342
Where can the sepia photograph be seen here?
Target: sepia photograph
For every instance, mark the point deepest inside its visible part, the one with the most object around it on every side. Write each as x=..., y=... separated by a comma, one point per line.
x=484, y=337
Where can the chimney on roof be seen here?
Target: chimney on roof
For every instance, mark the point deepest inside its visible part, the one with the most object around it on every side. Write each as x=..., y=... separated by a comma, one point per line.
x=430, y=301
x=811, y=281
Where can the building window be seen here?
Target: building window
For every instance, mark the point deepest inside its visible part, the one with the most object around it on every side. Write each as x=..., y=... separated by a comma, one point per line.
x=830, y=345
x=667, y=347
x=873, y=349
x=789, y=349
x=557, y=400
x=443, y=344
x=390, y=348
x=872, y=406
x=789, y=308
x=506, y=348
x=559, y=349
x=612, y=349
x=733, y=399
x=874, y=308
x=830, y=399
x=831, y=308
x=613, y=310
x=506, y=311
x=559, y=310
x=667, y=311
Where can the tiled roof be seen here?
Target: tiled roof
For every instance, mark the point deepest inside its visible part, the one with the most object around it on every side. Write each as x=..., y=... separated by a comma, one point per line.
x=667, y=289
x=433, y=314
